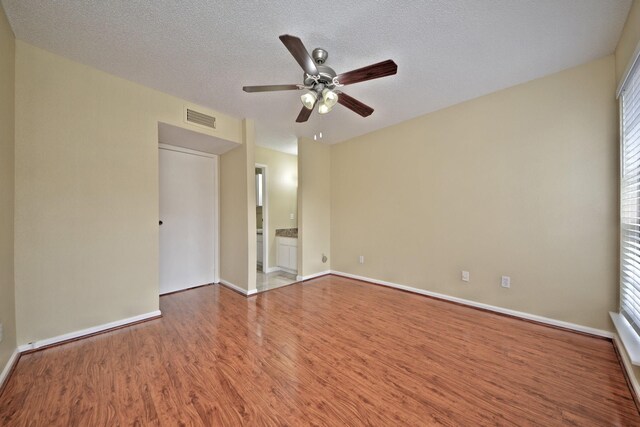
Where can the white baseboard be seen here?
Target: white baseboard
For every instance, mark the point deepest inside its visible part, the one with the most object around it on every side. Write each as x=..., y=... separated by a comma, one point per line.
x=8, y=367
x=528, y=316
x=238, y=288
x=89, y=331
x=312, y=276
x=627, y=365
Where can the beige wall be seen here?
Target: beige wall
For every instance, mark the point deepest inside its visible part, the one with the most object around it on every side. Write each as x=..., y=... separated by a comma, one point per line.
x=314, y=213
x=7, y=143
x=521, y=182
x=86, y=226
x=628, y=40
x=282, y=189
x=237, y=213
x=624, y=51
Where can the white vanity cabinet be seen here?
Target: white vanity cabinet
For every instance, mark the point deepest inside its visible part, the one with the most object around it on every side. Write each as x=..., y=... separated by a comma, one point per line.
x=287, y=253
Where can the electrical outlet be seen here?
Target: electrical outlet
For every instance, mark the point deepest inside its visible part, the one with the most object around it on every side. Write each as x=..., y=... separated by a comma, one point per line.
x=505, y=282
x=290, y=216
x=465, y=276
x=361, y=259
x=1, y=332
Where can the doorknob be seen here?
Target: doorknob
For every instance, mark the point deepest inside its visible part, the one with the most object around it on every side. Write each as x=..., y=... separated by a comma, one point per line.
x=160, y=222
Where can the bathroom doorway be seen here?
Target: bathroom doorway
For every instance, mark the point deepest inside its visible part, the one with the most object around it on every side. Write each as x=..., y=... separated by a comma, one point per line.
x=276, y=180
x=262, y=218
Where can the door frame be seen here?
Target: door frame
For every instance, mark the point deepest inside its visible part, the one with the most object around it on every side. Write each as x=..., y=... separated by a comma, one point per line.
x=216, y=202
x=265, y=216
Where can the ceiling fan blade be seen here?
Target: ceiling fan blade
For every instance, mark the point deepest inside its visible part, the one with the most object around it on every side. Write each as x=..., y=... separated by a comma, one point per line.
x=304, y=115
x=300, y=53
x=270, y=88
x=354, y=105
x=375, y=71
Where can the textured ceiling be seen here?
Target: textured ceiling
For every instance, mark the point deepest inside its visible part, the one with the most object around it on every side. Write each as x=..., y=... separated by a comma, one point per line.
x=447, y=51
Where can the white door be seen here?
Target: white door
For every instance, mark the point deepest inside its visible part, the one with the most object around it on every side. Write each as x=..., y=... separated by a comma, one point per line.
x=187, y=211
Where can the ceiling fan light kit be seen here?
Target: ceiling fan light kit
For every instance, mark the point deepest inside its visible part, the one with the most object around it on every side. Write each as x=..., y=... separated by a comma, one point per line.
x=309, y=99
x=330, y=97
x=323, y=108
x=321, y=81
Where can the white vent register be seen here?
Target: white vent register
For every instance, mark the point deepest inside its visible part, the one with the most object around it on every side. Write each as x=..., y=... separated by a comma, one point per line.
x=199, y=119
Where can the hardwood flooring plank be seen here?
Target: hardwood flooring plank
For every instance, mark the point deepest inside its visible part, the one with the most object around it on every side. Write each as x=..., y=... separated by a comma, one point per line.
x=331, y=351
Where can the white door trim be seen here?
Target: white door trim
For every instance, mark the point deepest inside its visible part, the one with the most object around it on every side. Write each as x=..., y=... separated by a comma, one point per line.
x=186, y=150
x=216, y=223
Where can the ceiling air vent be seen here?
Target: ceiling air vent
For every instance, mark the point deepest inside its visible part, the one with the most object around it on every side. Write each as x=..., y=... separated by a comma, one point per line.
x=200, y=119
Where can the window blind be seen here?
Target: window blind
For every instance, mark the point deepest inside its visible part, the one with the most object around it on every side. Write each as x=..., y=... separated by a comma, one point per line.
x=630, y=200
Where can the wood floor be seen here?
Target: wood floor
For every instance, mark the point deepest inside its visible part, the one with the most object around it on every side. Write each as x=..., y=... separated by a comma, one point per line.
x=331, y=351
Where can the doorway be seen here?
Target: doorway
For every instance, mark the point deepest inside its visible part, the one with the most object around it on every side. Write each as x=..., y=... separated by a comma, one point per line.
x=262, y=218
x=188, y=218
x=276, y=223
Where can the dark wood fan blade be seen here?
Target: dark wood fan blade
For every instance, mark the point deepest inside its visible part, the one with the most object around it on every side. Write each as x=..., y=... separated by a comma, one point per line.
x=354, y=105
x=270, y=88
x=304, y=115
x=300, y=53
x=375, y=71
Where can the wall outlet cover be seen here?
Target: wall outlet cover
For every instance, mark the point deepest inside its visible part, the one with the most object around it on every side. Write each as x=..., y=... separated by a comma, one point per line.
x=465, y=276
x=505, y=282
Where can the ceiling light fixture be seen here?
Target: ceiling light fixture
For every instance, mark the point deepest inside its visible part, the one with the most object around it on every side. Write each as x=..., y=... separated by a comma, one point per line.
x=324, y=108
x=328, y=100
x=309, y=99
x=330, y=97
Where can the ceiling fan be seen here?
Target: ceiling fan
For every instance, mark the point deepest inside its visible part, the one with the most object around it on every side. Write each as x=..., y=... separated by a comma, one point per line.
x=321, y=83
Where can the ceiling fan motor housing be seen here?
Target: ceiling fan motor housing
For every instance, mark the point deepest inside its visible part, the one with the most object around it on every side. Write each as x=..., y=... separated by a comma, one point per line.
x=325, y=74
